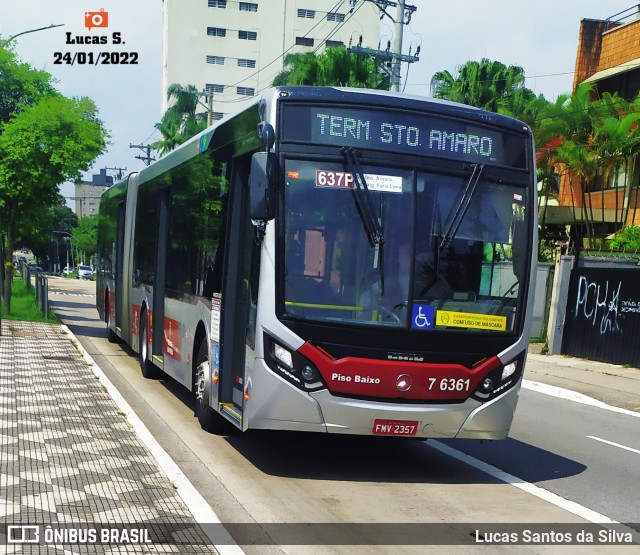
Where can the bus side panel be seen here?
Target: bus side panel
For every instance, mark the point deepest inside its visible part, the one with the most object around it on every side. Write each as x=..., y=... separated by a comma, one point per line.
x=181, y=321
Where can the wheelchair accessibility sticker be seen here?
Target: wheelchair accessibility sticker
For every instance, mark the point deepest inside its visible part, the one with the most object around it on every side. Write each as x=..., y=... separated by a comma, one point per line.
x=423, y=317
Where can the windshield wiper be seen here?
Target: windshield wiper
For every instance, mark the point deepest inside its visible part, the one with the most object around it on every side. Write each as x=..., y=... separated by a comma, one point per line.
x=463, y=206
x=362, y=198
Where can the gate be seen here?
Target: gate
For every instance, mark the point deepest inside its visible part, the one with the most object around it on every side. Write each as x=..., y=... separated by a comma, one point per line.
x=603, y=312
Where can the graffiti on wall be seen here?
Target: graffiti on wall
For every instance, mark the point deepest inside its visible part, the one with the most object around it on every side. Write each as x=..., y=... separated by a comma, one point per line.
x=599, y=303
x=603, y=315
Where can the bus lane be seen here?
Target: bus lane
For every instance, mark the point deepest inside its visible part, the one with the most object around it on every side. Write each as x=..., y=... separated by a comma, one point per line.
x=367, y=486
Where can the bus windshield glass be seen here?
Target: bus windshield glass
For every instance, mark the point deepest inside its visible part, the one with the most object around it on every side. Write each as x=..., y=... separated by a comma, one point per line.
x=452, y=254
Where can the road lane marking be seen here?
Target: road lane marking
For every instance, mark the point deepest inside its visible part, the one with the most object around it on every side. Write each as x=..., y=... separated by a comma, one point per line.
x=615, y=444
x=570, y=506
x=569, y=395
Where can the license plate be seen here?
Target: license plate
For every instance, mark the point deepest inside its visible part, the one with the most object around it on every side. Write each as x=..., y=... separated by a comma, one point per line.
x=395, y=427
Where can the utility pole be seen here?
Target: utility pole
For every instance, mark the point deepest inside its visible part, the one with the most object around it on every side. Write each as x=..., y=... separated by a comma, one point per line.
x=393, y=58
x=146, y=159
x=397, y=46
x=119, y=172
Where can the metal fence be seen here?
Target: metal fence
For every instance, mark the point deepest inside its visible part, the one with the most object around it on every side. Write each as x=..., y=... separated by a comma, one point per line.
x=42, y=292
x=603, y=312
x=41, y=282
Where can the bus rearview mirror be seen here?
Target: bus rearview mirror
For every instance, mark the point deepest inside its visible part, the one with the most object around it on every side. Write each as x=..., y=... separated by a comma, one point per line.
x=262, y=190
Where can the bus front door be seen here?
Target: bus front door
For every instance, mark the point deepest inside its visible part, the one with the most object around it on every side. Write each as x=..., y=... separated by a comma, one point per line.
x=239, y=299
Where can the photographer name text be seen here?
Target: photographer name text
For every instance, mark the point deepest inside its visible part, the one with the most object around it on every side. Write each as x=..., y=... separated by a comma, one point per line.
x=602, y=537
x=95, y=58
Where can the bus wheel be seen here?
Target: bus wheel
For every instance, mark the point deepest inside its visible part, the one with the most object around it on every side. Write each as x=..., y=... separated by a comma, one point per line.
x=149, y=371
x=210, y=420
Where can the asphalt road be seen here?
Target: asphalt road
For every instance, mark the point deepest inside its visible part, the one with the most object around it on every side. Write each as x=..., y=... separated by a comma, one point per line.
x=585, y=454
x=267, y=477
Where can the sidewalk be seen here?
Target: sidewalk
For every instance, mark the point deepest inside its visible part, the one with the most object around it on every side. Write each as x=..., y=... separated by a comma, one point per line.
x=612, y=384
x=70, y=460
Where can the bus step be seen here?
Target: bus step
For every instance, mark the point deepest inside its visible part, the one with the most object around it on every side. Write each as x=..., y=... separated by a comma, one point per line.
x=229, y=410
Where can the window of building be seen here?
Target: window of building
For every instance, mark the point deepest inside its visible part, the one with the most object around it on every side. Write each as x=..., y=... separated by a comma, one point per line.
x=247, y=35
x=304, y=41
x=246, y=63
x=335, y=16
x=217, y=3
x=218, y=60
x=308, y=14
x=248, y=7
x=214, y=88
x=245, y=91
x=333, y=43
x=216, y=32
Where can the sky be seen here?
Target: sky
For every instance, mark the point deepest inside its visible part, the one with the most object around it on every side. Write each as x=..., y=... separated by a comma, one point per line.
x=540, y=36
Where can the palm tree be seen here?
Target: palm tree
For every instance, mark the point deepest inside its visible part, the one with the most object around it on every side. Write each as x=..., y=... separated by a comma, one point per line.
x=334, y=67
x=589, y=137
x=180, y=122
x=485, y=84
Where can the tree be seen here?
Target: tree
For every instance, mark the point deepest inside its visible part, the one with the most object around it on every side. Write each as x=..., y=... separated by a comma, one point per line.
x=20, y=85
x=586, y=137
x=45, y=144
x=85, y=238
x=181, y=121
x=485, y=84
x=334, y=67
x=36, y=230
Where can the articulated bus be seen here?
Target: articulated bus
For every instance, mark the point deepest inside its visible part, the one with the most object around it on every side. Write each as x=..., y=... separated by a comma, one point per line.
x=332, y=260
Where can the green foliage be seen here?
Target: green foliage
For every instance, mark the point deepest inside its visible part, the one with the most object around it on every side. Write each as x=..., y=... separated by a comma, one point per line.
x=85, y=236
x=24, y=306
x=584, y=136
x=42, y=146
x=180, y=122
x=627, y=239
x=20, y=85
x=335, y=67
x=488, y=85
x=45, y=139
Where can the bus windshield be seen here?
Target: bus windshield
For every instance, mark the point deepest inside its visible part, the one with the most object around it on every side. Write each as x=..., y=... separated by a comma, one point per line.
x=453, y=253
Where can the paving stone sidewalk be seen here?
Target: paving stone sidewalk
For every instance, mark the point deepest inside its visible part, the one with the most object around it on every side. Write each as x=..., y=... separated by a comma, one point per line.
x=69, y=459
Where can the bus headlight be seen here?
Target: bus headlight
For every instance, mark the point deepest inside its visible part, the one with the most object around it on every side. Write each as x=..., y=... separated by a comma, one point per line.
x=291, y=365
x=499, y=380
x=508, y=370
x=283, y=355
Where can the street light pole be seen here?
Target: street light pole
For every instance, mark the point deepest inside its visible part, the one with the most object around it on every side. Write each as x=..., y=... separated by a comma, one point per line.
x=71, y=245
x=7, y=41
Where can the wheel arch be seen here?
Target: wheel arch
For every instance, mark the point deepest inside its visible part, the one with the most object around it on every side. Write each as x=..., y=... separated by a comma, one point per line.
x=198, y=338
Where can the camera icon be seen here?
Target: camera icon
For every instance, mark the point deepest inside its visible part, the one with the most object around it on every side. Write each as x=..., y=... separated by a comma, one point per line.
x=96, y=19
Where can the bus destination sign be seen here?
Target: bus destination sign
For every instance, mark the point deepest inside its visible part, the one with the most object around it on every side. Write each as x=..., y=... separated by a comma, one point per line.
x=406, y=133
x=409, y=133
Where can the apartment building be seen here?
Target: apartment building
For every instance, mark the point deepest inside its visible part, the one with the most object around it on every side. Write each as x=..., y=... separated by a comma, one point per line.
x=234, y=49
x=88, y=193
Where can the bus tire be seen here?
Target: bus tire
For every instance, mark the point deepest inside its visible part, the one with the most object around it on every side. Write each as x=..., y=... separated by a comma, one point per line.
x=210, y=420
x=148, y=369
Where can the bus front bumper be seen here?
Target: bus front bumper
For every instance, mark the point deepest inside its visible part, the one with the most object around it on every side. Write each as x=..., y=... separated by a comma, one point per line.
x=470, y=420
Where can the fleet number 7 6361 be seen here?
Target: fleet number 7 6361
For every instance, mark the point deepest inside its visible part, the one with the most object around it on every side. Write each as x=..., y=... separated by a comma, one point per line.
x=449, y=384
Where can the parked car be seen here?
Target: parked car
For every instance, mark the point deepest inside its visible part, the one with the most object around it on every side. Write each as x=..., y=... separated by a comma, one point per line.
x=85, y=272
x=68, y=270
